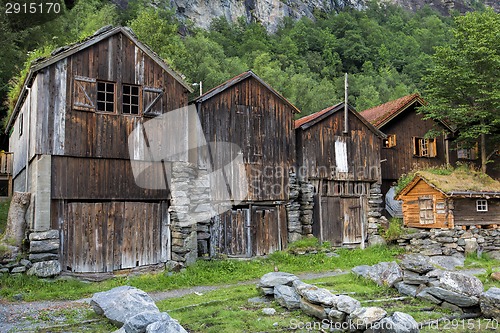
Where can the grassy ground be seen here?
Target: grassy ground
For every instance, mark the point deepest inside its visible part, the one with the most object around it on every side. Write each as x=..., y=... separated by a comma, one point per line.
x=228, y=310
x=4, y=210
x=210, y=272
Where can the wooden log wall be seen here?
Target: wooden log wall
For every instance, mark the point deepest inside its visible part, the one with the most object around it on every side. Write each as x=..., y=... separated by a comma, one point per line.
x=252, y=117
x=317, y=150
x=466, y=214
x=400, y=159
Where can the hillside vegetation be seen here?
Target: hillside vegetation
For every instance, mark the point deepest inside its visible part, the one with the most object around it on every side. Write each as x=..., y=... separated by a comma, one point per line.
x=386, y=49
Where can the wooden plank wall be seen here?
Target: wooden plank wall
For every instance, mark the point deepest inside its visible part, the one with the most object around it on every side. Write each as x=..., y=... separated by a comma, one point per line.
x=465, y=212
x=400, y=159
x=411, y=209
x=252, y=117
x=103, y=237
x=317, y=149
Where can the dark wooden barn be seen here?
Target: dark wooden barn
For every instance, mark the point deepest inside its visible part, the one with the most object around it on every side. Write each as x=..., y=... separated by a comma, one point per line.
x=444, y=201
x=406, y=147
x=69, y=133
x=248, y=113
x=342, y=161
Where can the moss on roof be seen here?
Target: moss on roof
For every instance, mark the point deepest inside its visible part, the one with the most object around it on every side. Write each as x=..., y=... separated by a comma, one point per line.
x=462, y=179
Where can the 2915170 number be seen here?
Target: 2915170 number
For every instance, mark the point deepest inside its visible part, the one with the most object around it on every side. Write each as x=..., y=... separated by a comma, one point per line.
x=32, y=8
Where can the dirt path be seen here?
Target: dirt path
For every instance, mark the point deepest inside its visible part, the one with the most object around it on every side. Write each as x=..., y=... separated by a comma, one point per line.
x=23, y=316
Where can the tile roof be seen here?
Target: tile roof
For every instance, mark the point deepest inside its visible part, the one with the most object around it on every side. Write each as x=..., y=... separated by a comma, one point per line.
x=381, y=114
x=301, y=121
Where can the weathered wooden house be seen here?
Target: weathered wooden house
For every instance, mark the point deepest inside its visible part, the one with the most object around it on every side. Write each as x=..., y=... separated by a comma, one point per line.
x=340, y=156
x=445, y=201
x=406, y=147
x=69, y=133
x=248, y=113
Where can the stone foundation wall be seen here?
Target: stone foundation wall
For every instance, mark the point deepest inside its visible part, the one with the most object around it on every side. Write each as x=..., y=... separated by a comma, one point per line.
x=450, y=241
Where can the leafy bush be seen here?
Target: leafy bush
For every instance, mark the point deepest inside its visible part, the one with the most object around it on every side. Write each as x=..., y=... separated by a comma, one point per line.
x=394, y=231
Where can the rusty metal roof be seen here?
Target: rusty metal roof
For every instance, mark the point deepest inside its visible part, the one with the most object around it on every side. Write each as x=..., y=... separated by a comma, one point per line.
x=307, y=121
x=238, y=78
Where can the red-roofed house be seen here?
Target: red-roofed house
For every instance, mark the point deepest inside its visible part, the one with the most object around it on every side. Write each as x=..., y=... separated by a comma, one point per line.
x=406, y=147
x=343, y=165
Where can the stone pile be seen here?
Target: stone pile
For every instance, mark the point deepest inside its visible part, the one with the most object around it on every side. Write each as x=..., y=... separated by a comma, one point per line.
x=452, y=241
x=341, y=312
x=44, y=253
x=418, y=276
x=293, y=209
x=133, y=311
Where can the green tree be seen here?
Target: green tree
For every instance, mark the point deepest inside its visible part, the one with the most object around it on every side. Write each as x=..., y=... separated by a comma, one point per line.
x=464, y=88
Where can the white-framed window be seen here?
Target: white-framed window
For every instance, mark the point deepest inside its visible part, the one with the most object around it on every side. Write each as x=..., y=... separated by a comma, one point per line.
x=482, y=205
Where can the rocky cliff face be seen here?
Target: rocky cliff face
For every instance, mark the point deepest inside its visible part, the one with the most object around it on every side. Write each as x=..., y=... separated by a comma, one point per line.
x=271, y=12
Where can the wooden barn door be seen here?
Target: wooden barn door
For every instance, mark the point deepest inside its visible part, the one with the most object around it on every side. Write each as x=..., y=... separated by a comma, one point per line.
x=233, y=232
x=268, y=229
x=255, y=231
x=328, y=226
x=338, y=220
x=108, y=236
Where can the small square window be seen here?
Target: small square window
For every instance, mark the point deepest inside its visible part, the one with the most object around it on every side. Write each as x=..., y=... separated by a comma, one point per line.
x=130, y=99
x=390, y=141
x=105, y=96
x=482, y=205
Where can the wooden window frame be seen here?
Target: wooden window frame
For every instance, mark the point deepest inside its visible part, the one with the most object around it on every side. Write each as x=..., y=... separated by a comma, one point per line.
x=424, y=217
x=21, y=124
x=467, y=153
x=148, y=105
x=424, y=147
x=106, y=93
x=481, y=205
x=390, y=141
x=84, y=93
x=130, y=103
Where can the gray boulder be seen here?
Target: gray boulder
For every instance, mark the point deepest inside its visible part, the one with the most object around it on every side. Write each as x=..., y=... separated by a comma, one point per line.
x=287, y=297
x=314, y=294
x=374, y=240
x=139, y=322
x=423, y=294
x=417, y=263
x=362, y=270
x=406, y=289
x=453, y=297
x=365, y=317
x=277, y=278
x=386, y=273
x=48, y=245
x=122, y=303
x=313, y=310
x=269, y=311
x=399, y=322
x=45, y=268
x=461, y=283
x=490, y=303
x=336, y=316
x=169, y=326
x=347, y=304
x=448, y=262
x=410, y=277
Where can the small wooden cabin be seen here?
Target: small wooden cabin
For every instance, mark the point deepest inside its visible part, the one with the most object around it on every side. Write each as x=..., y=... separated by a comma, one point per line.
x=342, y=161
x=69, y=132
x=247, y=112
x=445, y=201
x=406, y=147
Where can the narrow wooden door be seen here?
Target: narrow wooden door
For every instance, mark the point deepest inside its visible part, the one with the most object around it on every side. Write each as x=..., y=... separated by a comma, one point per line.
x=234, y=232
x=268, y=227
x=352, y=210
x=327, y=227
